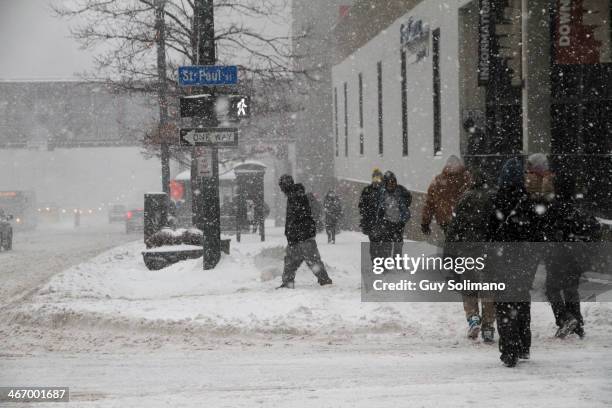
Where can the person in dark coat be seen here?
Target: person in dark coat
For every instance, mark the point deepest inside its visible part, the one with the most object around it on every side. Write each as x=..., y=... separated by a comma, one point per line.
x=521, y=214
x=333, y=211
x=300, y=231
x=368, y=204
x=567, y=258
x=392, y=214
x=470, y=224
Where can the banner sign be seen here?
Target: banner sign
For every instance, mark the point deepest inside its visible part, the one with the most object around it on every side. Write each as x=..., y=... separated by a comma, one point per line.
x=485, y=33
x=582, y=32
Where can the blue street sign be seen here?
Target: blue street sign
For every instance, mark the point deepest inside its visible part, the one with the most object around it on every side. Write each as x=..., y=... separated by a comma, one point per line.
x=208, y=75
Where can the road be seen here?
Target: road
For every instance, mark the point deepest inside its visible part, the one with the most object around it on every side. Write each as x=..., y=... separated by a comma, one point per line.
x=51, y=248
x=300, y=374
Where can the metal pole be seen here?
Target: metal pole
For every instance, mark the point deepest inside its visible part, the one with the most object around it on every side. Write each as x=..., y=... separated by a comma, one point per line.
x=162, y=93
x=208, y=212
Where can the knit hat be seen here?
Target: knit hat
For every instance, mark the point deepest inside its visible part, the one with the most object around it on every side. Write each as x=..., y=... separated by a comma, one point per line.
x=538, y=163
x=377, y=175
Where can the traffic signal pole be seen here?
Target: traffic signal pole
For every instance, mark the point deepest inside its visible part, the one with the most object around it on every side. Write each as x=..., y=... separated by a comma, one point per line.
x=205, y=190
x=162, y=93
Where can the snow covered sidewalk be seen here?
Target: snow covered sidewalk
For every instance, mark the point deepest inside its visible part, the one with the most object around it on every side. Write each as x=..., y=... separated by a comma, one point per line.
x=239, y=297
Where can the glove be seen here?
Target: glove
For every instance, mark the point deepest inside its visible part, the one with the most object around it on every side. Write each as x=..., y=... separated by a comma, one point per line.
x=425, y=229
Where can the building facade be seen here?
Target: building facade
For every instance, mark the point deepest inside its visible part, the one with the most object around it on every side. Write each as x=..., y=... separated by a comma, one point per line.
x=312, y=26
x=532, y=75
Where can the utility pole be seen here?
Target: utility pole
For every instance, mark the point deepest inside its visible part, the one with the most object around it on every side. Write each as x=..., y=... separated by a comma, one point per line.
x=162, y=93
x=205, y=191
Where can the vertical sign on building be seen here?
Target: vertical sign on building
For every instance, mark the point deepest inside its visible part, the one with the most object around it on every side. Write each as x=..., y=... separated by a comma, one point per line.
x=485, y=34
x=582, y=32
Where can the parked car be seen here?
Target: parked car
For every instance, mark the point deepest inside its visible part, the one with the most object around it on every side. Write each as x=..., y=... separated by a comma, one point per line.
x=134, y=220
x=6, y=231
x=116, y=213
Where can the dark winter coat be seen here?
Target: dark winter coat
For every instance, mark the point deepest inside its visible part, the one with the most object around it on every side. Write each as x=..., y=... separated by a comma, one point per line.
x=384, y=229
x=404, y=200
x=368, y=203
x=333, y=209
x=470, y=222
x=518, y=216
x=299, y=224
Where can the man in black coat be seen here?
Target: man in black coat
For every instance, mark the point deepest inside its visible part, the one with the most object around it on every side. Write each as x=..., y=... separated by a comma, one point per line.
x=300, y=230
x=392, y=214
x=368, y=208
x=568, y=256
x=523, y=214
x=470, y=224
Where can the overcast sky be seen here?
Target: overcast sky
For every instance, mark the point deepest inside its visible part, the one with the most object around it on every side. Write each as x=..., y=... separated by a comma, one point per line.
x=36, y=45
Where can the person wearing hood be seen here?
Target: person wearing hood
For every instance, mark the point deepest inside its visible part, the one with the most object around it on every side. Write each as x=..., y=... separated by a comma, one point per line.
x=522, y=213
x=470, y=223
x=300, y=231
x=368, y=202
x=444, y=193
x=333, y=211
x=392, y=214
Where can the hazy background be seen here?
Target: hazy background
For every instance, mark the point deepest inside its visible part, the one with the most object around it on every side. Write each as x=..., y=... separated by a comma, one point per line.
x=34, y=45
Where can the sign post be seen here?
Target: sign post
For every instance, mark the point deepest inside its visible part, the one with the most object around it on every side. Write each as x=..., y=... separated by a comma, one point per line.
x=205, y=164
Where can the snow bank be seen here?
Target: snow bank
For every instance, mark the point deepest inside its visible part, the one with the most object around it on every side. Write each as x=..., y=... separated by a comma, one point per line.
x=239, y=296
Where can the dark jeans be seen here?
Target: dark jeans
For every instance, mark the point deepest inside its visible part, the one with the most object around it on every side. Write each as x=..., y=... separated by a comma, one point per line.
x=513, y=325
x=563, y=273
x=516, y=265
x=305, y=251
x=330, y=228
x=387, y=241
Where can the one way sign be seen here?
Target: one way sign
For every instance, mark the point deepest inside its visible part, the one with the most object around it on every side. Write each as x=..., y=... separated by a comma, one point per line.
x=219, y=137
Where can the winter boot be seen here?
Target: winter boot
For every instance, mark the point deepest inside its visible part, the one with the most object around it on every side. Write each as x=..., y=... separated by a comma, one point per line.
x=524, y=355
x=568, y=327
x=287, y=285
x=473, y=327
x=579, y=330
x=324, y=280
x=488, y=334
x=509, y=360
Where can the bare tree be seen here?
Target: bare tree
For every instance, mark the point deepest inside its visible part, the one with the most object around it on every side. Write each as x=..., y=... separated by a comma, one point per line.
x=125, y=33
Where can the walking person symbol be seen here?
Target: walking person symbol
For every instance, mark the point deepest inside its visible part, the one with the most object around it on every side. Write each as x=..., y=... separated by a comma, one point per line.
x=241, y=107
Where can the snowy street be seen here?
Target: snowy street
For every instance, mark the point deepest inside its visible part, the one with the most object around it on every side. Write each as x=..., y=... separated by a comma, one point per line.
x=110, y=329
x=39, y=254
x=296, y=373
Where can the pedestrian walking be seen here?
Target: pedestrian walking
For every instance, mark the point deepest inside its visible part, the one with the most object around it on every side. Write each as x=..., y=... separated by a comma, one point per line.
x=521, y=215
x=444, y=193
x=368, y=205
x=300, y=231
x=333, y=212
x=568, y=256
x=470, y=224
x=393, y=212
